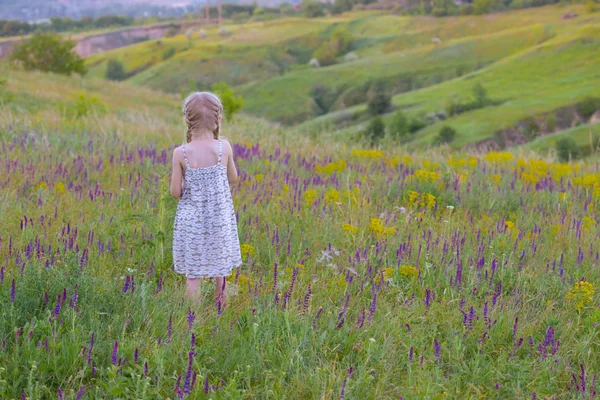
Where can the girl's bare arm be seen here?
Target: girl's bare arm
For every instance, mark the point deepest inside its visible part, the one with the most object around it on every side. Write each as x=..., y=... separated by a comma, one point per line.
x=232, y=175
x=177, y=173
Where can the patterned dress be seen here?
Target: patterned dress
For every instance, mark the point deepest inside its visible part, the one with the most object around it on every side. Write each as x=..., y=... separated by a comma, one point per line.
x=205, y=239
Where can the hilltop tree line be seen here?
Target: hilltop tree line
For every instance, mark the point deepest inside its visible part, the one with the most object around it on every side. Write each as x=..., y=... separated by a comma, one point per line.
x=18, y=28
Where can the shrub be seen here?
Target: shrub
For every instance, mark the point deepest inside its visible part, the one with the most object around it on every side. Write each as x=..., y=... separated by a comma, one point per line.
x=591, y=7
x=83, y=106
x=567, y=149
x=312, y=9
x=445, y=135
x=48, y=52
x=172, y=31
x=231, y=103
x=240, y=17
x=531, y=129
x=588, y=107
x=480, y=94
x=224, y=31
x=115, y=71
x=551, y=122
x=168, y=53
x=375, y=131
x=340, y=6
x=416, y=125
x=380, y=101
x=399, y=126
x=466, y=9
x=323, y=98
x=314, y=63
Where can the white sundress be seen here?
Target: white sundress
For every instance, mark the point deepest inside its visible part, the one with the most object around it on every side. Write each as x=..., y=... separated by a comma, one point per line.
x=205, y=238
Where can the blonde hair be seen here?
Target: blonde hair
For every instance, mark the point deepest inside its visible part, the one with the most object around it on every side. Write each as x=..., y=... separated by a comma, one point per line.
x=202, y=110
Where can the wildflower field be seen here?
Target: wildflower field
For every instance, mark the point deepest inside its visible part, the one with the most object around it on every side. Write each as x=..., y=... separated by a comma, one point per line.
x=368, y=274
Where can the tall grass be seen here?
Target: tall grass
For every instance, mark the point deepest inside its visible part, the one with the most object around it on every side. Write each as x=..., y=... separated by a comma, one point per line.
x=367, y=274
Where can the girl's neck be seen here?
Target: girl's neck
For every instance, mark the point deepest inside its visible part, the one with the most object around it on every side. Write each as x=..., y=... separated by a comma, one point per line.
x=202, y=134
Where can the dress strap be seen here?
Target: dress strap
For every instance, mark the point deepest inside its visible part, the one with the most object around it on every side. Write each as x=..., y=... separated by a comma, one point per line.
x=220, y=152
x=187, y=164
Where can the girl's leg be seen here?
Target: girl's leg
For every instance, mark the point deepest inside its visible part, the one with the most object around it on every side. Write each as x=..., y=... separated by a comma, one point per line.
x=220, y=290
x=192, y=288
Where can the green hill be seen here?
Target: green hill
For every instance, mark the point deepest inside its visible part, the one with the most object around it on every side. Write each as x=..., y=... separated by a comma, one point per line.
x=530, y=62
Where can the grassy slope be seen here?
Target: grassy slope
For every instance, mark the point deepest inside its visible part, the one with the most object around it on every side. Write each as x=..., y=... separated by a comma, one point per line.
x=527, y=49
x=449, y=324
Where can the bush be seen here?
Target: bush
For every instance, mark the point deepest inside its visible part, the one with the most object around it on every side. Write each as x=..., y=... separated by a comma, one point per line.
x=48, y=52
x=416, y=125
x=168, y=53
x=466, y=9
x=399, y=126
x=588, y=107
x=323, y=98
x=446, y=135
x=115, y=71
x=380, y=101
x=84, y=105
x=312, y=9
x=567, y=149
x=231, y=103
x=340, y=43
x=375, y=131
x=480, y=94
x=240, y=17
x=591, y=7
x=551, y=122
x=531, y=129
x=172, y=31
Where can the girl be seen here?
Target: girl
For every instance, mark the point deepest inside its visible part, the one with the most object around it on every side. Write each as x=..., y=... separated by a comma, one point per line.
x=205, y=239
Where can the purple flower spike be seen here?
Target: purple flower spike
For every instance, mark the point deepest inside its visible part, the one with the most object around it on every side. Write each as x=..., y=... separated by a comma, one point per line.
x=187, y=384
x=436, y=348
x=80, y=393
x=13, y=291
x=114, y=358
x=60, y=394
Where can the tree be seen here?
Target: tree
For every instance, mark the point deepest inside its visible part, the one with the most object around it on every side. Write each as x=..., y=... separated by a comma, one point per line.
x=312, y=9
x=375, y=131
x=340, y=6
x=398, y=127
x=231, y=103
x=446, y=135
x=480, y=94
x=380, y=101
x=323, y=97
x=48, y=52
x=115, y=71
x=566, y=149
x=483, y=6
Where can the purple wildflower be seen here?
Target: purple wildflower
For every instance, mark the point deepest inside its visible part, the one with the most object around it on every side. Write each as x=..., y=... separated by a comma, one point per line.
x=436, y=349
x=317, y=318
x=136, y=355
x=411, y=353
x=114, y=358
x=307, y=298
x=89, y=355
x=275, y=277
x=60, y=394
x=170, y=329
x=126, y=284
x=13, y=291
x=187, y=384
x=191, y=317
x=80, y=393
x=74, y=298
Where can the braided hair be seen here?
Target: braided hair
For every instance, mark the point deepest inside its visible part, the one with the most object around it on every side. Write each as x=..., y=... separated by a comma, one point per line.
x=202, y=110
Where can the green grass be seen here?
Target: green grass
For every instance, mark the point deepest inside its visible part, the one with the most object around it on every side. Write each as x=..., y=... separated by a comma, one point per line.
x=464, y=295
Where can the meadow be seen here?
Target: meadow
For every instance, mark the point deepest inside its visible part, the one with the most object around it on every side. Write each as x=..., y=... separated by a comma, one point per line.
x=368, y=273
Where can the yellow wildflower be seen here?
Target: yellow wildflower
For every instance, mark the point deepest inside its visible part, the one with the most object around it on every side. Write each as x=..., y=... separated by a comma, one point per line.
x=349, y=228
x=376, y=226
x=330, y=168
x=247, y=251
x=407, y=271
x=495, y=179
x=498, y=157
x=310, y=196
x=388, y=272
x=581, y=295
x=59, y=188
x=588, y=223
x=42, y=185
x=259, y=177
x=332, y=196
x=374, y=154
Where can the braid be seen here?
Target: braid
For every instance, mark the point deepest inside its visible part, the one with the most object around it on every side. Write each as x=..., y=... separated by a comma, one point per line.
x=196, y=113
